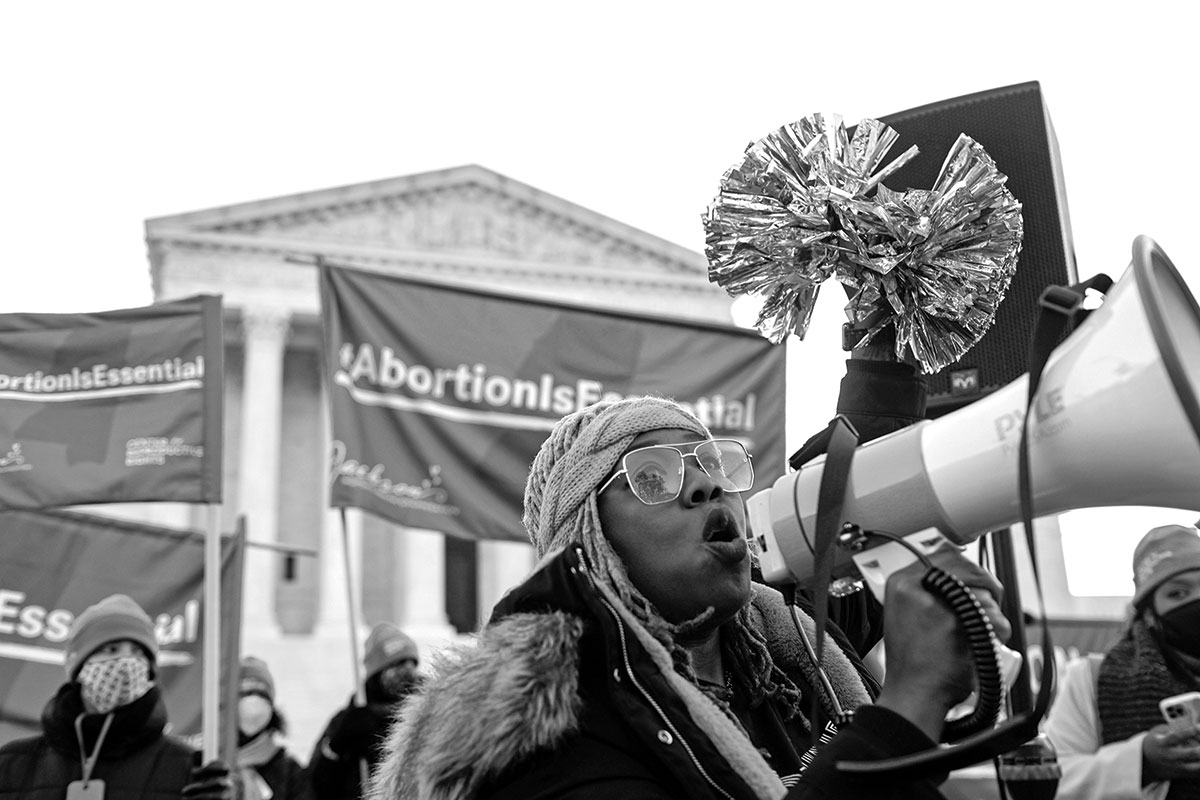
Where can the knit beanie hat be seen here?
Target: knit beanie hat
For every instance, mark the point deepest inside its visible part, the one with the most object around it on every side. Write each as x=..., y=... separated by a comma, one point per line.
x=580, y=452
x=1163, y=553
x=255, y=678
x=114, y=618
x=387, y=645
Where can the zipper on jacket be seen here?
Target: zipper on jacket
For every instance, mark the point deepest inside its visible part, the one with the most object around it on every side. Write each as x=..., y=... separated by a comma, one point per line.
x=654, y=704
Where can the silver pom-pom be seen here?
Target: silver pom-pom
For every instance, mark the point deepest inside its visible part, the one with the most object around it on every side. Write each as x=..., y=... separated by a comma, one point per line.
x=807, y=203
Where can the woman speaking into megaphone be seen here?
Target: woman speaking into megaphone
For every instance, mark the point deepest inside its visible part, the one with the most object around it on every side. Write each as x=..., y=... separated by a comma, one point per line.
x=641, y=660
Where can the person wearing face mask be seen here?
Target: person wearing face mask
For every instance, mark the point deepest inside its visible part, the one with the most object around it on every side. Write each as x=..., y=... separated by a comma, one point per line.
x=265, y=767
x=104, y=731
x=349, y=747
x=1105, y=723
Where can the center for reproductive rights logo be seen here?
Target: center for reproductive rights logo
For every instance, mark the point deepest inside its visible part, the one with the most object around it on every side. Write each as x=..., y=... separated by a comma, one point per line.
x=14, y=460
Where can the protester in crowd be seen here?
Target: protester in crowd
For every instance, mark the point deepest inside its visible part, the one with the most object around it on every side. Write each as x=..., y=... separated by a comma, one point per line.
x=103, y=733
x=640, y=660
x=266, y=769
x=350, y=746
x=1105, y=723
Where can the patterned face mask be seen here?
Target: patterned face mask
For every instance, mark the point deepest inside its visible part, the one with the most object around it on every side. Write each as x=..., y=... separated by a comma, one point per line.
x=109, y=682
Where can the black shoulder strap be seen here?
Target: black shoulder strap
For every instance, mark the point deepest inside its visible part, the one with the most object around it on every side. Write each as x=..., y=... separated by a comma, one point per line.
x=840, y=443
x=1061, y=308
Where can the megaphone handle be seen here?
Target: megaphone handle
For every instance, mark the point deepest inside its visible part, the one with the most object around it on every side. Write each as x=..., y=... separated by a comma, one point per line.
x=981, y=640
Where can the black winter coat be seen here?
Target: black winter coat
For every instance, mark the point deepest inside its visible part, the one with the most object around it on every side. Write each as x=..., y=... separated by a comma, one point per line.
x=137, y=760
x=565, y=697
x=353, y=737
x=875, y=734
x=285, y=776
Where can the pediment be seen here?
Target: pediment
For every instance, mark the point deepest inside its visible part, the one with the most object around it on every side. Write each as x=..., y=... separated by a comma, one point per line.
x=465, y=211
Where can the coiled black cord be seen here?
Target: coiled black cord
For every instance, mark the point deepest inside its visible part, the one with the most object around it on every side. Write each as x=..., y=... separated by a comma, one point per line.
x=981, y=636
x=981, y=639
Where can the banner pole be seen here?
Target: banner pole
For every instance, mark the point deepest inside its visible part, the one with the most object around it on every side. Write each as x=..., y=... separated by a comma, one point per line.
x=360, y=695
x=360, y=691
x=209, y=715
x=232, y=575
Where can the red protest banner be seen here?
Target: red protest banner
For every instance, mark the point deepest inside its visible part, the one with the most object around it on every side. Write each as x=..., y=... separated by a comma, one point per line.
x=113, y=406
x=441, y=396
x=54, y=564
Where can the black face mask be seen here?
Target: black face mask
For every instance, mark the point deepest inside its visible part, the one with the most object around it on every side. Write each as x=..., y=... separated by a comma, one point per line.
x=1181, y=628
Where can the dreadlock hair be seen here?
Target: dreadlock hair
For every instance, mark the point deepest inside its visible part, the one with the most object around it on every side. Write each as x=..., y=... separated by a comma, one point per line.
x=561, y=508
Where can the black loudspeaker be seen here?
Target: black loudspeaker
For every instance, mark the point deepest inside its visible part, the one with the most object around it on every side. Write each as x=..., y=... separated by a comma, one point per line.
x=1013, y=125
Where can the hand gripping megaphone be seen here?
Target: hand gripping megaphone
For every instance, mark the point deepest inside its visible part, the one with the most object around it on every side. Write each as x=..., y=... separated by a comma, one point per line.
x=1116, y=421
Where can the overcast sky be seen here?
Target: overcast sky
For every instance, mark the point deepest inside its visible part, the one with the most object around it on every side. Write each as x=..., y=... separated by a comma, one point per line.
x=119, y=111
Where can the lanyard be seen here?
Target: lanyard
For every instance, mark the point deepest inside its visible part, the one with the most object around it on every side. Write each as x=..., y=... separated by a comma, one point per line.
x=89, y=762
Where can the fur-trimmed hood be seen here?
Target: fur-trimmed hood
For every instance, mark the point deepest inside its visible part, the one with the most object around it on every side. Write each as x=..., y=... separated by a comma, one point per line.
x=515, y=691
x=491, y=705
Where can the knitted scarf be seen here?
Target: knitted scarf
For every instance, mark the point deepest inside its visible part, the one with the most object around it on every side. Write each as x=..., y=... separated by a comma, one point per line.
x=1134, y=676
x=255, y=753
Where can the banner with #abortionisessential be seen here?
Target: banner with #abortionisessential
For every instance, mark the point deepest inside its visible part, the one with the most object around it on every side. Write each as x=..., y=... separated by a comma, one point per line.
x=54, y=564
x=112, y=406
x=441, y=396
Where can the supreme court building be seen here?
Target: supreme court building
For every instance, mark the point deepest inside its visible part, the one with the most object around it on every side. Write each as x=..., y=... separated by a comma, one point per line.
x=466, y=226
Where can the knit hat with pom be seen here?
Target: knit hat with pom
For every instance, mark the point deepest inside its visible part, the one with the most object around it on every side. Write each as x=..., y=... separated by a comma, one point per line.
x=387, y=645
x=255, y=678
x=116, y=617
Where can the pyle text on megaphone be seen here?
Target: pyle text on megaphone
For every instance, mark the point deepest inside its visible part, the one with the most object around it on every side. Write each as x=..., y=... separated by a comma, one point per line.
x=1116, y=421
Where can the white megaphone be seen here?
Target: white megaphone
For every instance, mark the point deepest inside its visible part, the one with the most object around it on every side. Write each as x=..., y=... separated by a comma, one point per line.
x=1116, y=421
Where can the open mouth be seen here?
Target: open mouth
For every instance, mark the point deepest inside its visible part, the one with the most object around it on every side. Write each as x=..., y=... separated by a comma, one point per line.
x=723, y=537
x=721, y=526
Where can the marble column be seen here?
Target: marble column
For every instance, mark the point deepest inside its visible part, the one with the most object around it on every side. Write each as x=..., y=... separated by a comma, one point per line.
x=502, y=565
x=421, y=595
x=340, y=557
x=265, y=334
x=333, y=614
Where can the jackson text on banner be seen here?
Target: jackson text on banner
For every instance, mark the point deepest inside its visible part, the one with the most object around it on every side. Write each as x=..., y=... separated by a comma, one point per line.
x=54, y=564
x=112, y=406
x=441, y=396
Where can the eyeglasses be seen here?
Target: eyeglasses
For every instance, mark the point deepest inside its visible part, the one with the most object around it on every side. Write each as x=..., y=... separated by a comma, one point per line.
x=655, y=473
